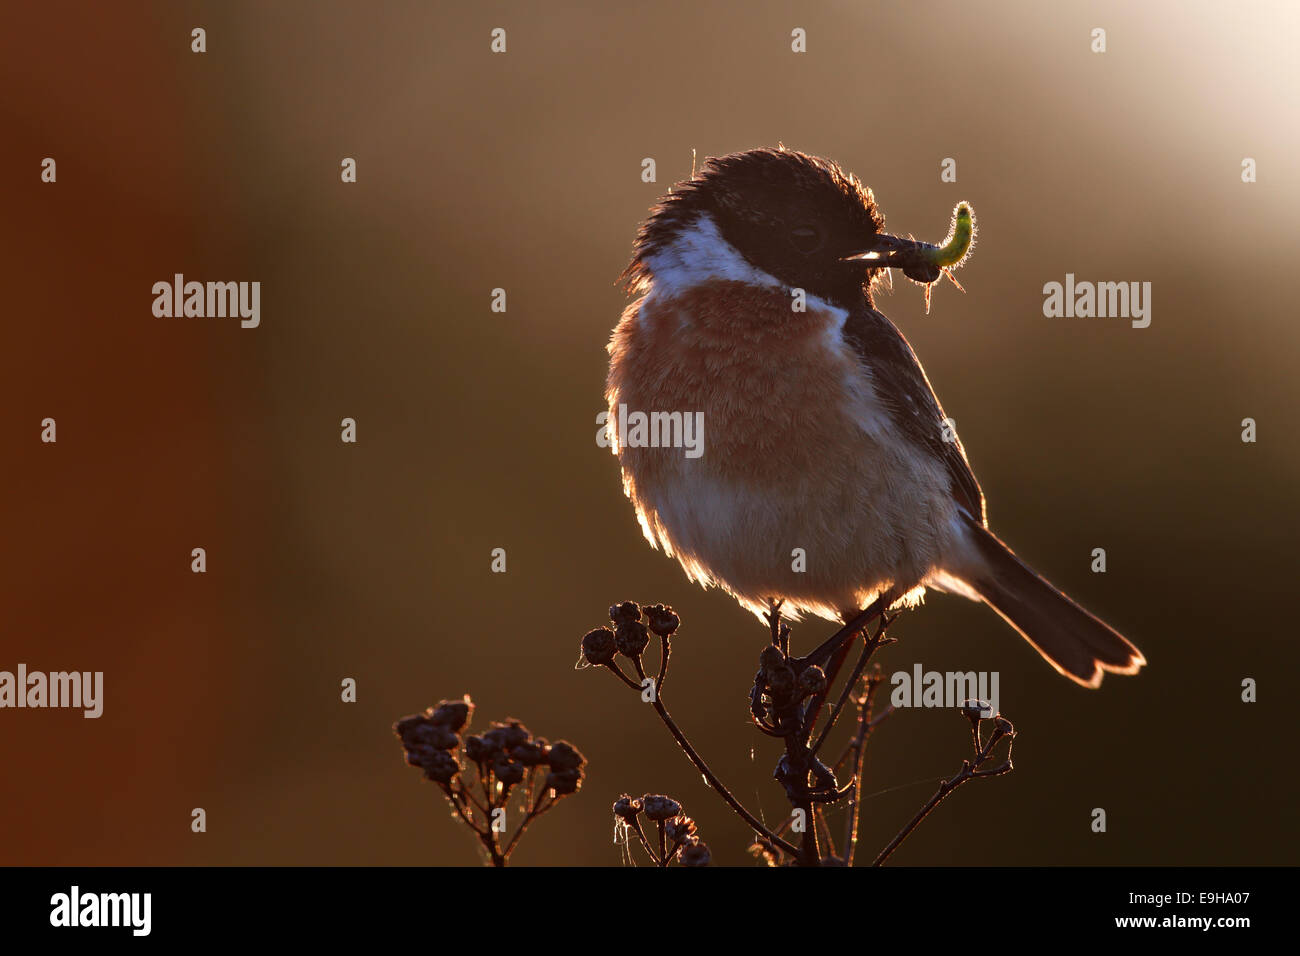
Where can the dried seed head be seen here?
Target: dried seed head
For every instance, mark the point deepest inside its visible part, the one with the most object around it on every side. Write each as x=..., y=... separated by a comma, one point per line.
x=452, y=714
x=659, y=807
x=479, y=749
x=781, y=682
x=407, y=724
x=564, y=756
x=508, y=771
x=771, y=658
x=972, y=709
x=420, y=756
x=506, y=735
x=440, y=767
x=564, y=782
x=531, y=753
x=680, y=828
x=764, y=850
x=419, y=732
x=627, y=611
x=663, y=620
x=631, y=638
x=696, y=853
x=598, y=646
x=812, y=681
x=626, y=807
x=444, y=739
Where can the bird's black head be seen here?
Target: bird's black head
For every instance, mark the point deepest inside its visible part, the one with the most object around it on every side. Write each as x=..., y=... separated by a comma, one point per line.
x=796, y=217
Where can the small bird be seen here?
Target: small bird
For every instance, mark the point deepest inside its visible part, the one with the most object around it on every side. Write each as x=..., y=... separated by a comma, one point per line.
x=828, y=479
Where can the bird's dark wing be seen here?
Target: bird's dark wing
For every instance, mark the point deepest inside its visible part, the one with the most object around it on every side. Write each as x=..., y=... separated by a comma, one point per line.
x=901, y=386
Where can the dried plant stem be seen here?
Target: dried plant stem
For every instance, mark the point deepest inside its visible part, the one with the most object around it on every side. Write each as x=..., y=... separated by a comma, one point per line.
x=869, y=648
x=486, y=835
x=540, y=806
x=969, y=771
x=858, y=750
x=709, y=776
x=787, y=700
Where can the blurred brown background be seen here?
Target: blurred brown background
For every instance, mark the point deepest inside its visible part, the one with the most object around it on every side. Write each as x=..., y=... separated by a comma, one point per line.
x=476, y=430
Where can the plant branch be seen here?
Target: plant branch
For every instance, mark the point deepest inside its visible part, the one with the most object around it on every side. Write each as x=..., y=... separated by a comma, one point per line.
x=709, y=776
x=969, y=771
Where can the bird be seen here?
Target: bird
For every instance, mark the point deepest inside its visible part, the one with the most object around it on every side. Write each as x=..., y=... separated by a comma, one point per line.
x=829, y=479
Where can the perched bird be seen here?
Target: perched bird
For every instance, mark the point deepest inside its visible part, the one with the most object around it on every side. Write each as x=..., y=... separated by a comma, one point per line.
x=828, y=478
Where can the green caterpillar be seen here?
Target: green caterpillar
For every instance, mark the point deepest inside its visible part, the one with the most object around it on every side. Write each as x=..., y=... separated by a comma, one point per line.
x=960, y=236
x=930, y=262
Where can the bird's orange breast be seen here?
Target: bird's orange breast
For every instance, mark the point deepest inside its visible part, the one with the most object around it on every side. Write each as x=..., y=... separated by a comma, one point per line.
x=798, y=456
x=765, y=377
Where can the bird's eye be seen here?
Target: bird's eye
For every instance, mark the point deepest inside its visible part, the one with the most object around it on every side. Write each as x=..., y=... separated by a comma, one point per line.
x=806, y=237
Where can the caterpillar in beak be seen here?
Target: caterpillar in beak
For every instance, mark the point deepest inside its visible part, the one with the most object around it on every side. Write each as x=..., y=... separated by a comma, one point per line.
x=930, y=262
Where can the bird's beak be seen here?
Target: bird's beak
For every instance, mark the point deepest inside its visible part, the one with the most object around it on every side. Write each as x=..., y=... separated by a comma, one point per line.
x=889, y=252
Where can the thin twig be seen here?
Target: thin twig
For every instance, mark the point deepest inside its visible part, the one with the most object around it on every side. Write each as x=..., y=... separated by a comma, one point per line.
x=868, y=648
x=665, y=648
x=487, y=837
x=709, y=776
x=866, y=724
x=539, y=807
x=826, y=831
x=969, y=771
x=635, y=825
x=618, y=672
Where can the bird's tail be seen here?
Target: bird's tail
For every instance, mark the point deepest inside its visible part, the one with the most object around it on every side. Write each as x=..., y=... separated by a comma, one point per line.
x=1077, y=644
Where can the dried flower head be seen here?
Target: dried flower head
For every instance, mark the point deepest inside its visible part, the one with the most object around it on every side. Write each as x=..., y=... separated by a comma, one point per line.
x=506, y=735
x=812, y=680
x=531, y=753
x=627, y=611
x=771, y=658
x=631, y=638
x=440, y=766
x=627, y=807
x=680, y=828
x=599, y=647
x=479, y=749
x=781, y=683
x=564, y=782
x=505, y=755
x=564, y=756
x=695, y=853
x=659, y=807
x=509, y=772
x=452, y=714
x=663, y=621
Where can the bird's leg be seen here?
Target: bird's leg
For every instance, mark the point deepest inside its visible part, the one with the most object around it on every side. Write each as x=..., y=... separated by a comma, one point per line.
x=780, y=630
x=814, y=706
x=773, y=618
x=850, y=629
x=799, y=761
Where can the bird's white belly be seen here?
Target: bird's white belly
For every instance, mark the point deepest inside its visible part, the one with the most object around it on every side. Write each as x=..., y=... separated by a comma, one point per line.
x=832, y=543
